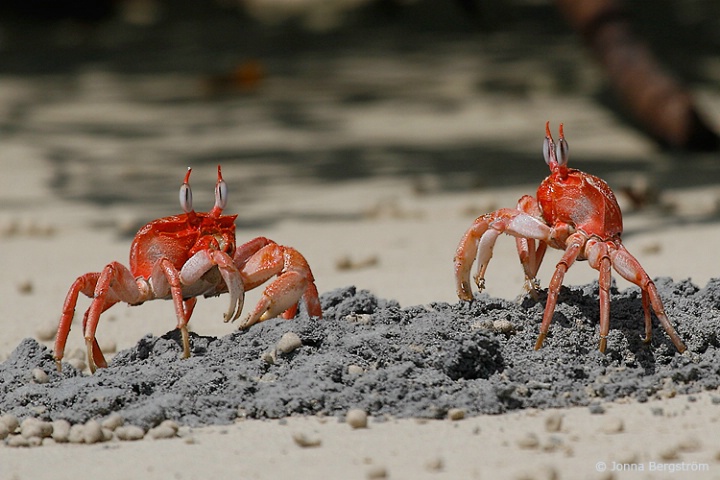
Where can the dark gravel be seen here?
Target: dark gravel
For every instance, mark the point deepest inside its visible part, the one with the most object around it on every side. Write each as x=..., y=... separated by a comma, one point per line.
x=418, y=361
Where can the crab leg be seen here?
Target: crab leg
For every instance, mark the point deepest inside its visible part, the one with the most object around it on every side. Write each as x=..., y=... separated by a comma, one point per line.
x=478, y=242
x=630, y=269
x=598, y=257
x=648, y=320
x=295, y=281
x=248, y=249
x=85, y=284
x=188, y=307
x=115, y=283
x=605, y=280
x=165, y=279
x=575, y=244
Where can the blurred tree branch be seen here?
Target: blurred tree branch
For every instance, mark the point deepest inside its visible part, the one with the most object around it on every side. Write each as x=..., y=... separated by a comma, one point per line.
x=651, y=95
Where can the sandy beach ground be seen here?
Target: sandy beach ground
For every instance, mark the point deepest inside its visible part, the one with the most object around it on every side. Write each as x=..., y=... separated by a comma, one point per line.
x=368, y=193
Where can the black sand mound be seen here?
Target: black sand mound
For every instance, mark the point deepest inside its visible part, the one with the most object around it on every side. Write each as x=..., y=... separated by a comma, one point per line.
x=372, y=354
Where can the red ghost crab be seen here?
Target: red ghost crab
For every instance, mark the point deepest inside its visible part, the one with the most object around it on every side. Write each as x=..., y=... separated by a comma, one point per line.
x=575, y=212
x=184, y=256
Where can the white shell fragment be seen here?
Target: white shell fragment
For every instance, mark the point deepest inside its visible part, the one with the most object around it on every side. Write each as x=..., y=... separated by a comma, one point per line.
x=357, y=418
x=288, y=342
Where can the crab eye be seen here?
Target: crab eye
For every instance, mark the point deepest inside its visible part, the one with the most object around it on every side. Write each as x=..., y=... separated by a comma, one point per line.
x=548, y=148
x=221, y=194
x=220, y=191
x=562, y=151
x=186, y=194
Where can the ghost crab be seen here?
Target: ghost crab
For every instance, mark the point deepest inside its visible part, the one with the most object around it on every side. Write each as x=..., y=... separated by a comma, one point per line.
x=575, y=212
x=184, y=256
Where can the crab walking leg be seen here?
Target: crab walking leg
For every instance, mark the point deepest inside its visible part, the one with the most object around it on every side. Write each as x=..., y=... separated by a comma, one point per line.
x=597, y=254
x=95, y=355
x=295, y=281
x=116, y=283
x=164, y=280
x=478, y=242
x=648, y=320
x=85, y=284
x=575, y=244
x=604, y=294
x=260, y=273
x=630, y=269
x=188, y=307
x=248, y=249
x=312, y=300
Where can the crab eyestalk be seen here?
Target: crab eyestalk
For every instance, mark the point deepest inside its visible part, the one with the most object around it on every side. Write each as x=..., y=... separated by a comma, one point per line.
x=556, y=156
x=186, y=193
x=562, y=149
x=221, y=193
x=548, y=146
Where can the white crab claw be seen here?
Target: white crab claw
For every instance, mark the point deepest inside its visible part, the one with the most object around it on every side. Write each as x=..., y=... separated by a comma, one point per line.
x=200, y=263
x=236, y=289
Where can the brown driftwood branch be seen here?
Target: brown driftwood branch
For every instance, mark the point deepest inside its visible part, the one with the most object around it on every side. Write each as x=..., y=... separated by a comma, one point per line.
x=651, y=95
